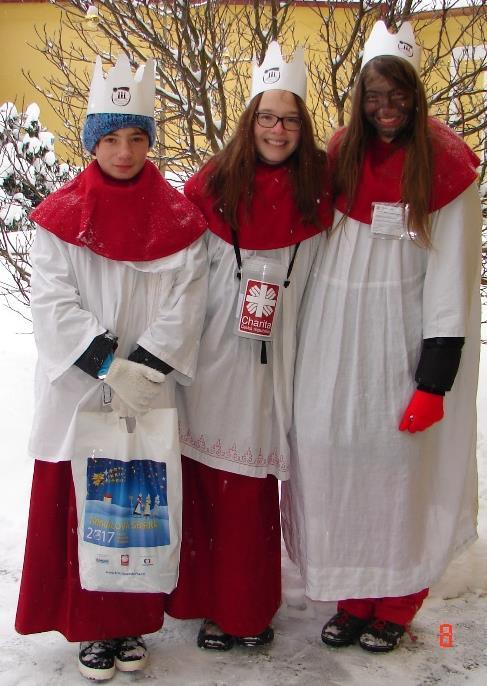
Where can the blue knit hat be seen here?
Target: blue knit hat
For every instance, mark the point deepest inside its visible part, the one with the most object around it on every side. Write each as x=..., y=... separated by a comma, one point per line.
x=98, y=125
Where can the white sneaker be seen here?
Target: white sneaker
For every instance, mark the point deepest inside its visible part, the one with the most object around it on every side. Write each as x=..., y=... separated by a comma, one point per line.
x=131, y=654
x=96, y=659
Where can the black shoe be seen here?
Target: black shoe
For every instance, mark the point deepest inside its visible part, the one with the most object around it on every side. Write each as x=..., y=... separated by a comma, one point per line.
x=342, y=629
x=266, y=636
x=381, y=636
x=96, y=659
x=131, y=654
x=211, y=637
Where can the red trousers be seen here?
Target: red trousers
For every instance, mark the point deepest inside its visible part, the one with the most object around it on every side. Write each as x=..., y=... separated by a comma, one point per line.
x=51, y=598
x=400, y=609
x=230, y=566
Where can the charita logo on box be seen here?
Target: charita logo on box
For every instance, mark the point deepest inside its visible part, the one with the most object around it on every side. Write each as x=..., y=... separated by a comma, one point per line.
x=259, y=308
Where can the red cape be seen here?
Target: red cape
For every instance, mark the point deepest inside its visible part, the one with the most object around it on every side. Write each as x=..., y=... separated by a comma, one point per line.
x=137, y=220
x=273, y=220
x=454, y=169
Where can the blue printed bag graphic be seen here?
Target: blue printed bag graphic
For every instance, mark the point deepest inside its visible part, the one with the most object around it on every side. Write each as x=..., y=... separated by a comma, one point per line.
x=126, y=503
x=127, y=476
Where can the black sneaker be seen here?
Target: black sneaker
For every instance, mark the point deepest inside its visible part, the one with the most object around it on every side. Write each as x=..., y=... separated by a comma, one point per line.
x=342, y=629
x=262, y=639
x=131, y=654
x=211, y=637
x=381, y=636
x=96, y=659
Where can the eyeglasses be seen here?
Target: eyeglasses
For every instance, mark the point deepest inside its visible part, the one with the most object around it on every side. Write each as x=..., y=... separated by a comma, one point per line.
x=393, y=97
x=268, y=121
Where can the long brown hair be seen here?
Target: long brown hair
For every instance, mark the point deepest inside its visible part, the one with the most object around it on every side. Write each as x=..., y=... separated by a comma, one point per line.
x=416, y=177
x=231, y=180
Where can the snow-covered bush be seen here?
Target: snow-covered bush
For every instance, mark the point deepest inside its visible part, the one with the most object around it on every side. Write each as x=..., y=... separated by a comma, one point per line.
x=29, y=171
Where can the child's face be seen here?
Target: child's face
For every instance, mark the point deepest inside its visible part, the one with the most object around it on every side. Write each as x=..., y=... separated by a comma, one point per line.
x=121, y=154
x=386, y=106
x=276, y=144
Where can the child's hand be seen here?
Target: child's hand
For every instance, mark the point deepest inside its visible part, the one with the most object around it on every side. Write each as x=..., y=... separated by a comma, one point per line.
x=135, y=384
x=423, y=410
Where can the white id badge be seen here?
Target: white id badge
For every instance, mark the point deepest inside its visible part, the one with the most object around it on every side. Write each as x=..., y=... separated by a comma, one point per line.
x=389, y=220
x=259, y=298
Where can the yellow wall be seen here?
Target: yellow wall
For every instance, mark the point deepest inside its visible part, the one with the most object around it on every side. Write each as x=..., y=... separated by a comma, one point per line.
x=17, y=29
x=18, y=22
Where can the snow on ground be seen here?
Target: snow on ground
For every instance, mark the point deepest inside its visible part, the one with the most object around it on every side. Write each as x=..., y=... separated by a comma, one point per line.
x=297, y=657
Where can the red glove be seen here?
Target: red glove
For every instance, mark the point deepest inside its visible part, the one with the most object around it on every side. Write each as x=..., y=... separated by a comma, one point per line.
x=424, y=409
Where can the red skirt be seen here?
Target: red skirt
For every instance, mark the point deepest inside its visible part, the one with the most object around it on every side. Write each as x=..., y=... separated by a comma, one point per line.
x=51, y=598
x=230, y=566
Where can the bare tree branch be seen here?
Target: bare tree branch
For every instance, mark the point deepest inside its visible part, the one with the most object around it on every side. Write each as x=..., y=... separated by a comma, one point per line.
x=203, y=52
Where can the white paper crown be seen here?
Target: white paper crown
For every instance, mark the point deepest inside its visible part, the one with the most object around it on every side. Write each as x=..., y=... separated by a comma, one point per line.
x=276, y=74
x=400, y=44
x=120, y=92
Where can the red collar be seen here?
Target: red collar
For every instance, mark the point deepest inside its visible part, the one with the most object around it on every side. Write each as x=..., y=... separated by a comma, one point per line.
x=273, y=220
x=137, y=220
x=454, y=169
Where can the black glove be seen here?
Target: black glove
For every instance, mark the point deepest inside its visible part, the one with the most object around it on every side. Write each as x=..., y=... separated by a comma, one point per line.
x=96, y=353
x=143, y=356
x=438, y=364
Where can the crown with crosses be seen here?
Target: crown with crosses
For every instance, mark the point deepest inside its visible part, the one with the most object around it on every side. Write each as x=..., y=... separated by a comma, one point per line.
x=276, y=74
x=401, y=44
x=120, y=92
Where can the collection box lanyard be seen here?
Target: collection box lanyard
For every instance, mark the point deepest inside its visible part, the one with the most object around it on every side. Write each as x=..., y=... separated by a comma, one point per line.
x=238, y=258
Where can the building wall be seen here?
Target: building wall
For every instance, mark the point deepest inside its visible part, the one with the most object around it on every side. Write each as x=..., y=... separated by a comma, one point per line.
x=19, y=22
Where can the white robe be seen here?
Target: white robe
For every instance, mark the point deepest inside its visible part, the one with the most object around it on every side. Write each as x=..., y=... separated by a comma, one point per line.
x=77, y=295
x=237, y=414
x=371, y=511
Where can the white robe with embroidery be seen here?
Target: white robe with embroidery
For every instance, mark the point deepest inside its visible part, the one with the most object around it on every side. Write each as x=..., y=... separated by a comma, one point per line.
x=370, y=511
x=237, y=414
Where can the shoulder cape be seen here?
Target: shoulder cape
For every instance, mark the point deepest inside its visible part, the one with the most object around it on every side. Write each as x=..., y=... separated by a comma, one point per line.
x=273, y=221
x=138, y=220
x=454, y=169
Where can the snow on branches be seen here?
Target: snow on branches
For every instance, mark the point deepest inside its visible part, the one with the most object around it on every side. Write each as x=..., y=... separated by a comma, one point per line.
x=29, y=171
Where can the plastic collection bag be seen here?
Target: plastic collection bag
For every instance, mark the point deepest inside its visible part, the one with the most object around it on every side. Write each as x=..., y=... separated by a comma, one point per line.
x=127, y=476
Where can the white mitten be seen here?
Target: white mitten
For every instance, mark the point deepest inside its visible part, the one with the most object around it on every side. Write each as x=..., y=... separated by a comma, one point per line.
x=135, y=384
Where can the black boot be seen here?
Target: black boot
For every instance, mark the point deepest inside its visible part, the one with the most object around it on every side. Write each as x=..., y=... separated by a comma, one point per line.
x=211, y=637
x=96, y=659
x=381, y=636
x=342, y=629
x=131, y=654
x=262, y=639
